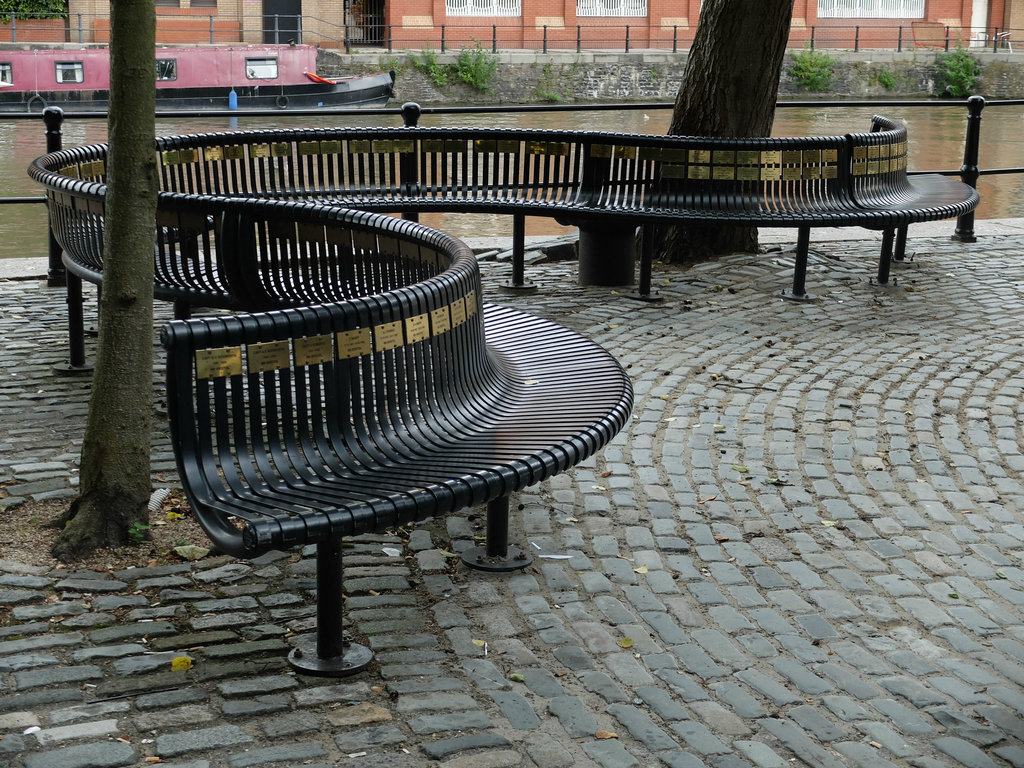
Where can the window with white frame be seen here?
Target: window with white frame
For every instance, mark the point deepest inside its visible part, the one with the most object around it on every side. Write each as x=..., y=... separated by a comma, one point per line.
x=871, y=9
x=611, y=8
x=6, y=73
x=70, y=72
x=261, y=69
x=483, y=7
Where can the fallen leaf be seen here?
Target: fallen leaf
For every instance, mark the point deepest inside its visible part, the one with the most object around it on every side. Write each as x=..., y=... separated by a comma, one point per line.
x=625, y=642
x=480, y=643
x=709, y=498
x=174, y=515
x=181, y=664
x=641, y=569
x=606, y=735
x=741, y=468
x=828, y=523
x=516, y=677
x=721, y=538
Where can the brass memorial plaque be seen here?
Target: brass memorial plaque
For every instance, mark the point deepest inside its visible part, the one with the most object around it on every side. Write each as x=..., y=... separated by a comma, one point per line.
x=359, y=147
x=601, y=150
x=332, y=147
x=458, y=312
x=700, y=156
x=354, y=343
x=699, y=172
x=211, y=154
x=188, y=155
x=860, y=153
x=234, y=152
x=748, y=173
x=649, y=154
x=339, y=237
x=268, y=356
x=454, y=146
x=812, y=171
x=471, y=304
x=724, y=172
x=432, y=145
x=873, y=152
x=309, y=232
x=441, y=320
x=860, y=168
x=71, y=171
x=830, y=172
x=417, y=328
x=218, y=363
x=364, y=241
x=170, y=157
x=748, y=157
x=771, y=157
x=281, y=149
x=485, y=146
x=625, y=153
x=674, y=155
x=872, y=167
x=724, y=157
x=884, y=150
x=388, y=335
x=792, y=157
x=404, y=146
x=309, y=148
x=791, y=173
x=771, y=173
x=508, y=146
x=259, y=150
x=382, y=146
x=311, y=350
x=830, y=155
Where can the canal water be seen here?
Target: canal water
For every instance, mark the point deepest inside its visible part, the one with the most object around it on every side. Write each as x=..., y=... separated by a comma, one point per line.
x=936, y=143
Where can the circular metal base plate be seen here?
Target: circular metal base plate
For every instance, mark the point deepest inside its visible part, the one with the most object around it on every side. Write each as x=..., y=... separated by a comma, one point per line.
x=303, y=659
x=790, y=296
x=648, y=297
x=527, y=287
x=514, y=560
x=67, y=369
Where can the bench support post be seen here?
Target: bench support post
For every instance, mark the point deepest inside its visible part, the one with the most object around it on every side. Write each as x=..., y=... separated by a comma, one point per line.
x=885, y=257
x=900, y=253
x=648, y=234
x=497, y=555
x=607, y=253
x=76, y=329
x=519, y=281
x=328, y=654
x=803, y=245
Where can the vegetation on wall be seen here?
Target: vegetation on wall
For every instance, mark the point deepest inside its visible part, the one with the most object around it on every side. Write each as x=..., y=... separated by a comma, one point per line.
x=958, y=73
x=32, y=9
x=474, y=66
x=813, y=70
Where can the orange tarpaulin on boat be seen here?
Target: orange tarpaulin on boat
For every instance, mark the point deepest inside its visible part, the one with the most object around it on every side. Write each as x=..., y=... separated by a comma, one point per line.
x=317, y=78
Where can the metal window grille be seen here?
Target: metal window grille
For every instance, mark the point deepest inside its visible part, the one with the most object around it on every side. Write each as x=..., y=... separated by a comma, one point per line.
x=871, y=9
x=484, y=7
x=611, y=8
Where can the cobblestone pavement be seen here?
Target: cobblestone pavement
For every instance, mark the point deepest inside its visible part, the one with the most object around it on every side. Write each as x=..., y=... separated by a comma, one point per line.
x=804, y=550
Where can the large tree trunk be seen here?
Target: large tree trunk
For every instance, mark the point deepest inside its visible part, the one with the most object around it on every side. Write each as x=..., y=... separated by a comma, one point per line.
x=115, y=473
x=729, y=89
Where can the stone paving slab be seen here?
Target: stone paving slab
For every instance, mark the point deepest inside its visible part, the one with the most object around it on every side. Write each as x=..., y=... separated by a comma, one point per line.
x=805, y=549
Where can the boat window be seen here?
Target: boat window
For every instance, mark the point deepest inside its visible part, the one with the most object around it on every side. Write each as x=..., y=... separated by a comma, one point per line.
x=70, y=72
x=261, y=69
x=6, y=72
x=166, y=69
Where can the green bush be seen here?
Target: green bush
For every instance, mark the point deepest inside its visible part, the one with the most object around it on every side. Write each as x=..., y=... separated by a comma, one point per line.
x=476, y=67
x=428, y=64
x=32, y=9
x=886, y=79
x=813, y=70
x=958, y=73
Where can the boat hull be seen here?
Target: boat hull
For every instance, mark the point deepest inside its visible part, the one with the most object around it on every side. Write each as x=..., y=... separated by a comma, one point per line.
x=368, y=91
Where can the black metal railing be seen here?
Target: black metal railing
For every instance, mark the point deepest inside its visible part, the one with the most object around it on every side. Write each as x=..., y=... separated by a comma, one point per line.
x=969, y=171
x=647, y=33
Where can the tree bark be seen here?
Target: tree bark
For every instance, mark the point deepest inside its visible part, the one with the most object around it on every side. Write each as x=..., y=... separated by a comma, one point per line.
x=729, y=89
x=115, y=479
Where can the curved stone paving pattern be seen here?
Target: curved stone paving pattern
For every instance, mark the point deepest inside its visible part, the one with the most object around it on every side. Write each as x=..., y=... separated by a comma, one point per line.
x=804, y=550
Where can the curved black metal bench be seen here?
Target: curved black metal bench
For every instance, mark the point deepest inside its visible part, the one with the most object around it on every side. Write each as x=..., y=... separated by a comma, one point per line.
x=398, y=398
x=606, y=183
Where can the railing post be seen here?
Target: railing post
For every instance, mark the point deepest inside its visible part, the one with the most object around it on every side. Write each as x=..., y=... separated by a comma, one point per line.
x=53, y=119
x=995, y=39
x=408, y=161
x=348, y=39
x=544, y=45
x=675, y=39
x=81, y=31
x=212, y=39
x=899, y=40
x=856, y=38
x=947, y=38
x=277, y=33
x=14, y=27
x=812, y=37
x=579, y=38
x=969, y=171
x=627, y=38
x=442, y=37
x=298, y=29
x=390, y=38
x=494, y=38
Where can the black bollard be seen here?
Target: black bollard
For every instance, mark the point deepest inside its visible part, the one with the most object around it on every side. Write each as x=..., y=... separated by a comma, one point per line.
x=969, y=171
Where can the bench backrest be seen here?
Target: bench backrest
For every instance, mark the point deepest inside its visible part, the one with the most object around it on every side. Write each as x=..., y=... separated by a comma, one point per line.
x=258, y=398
